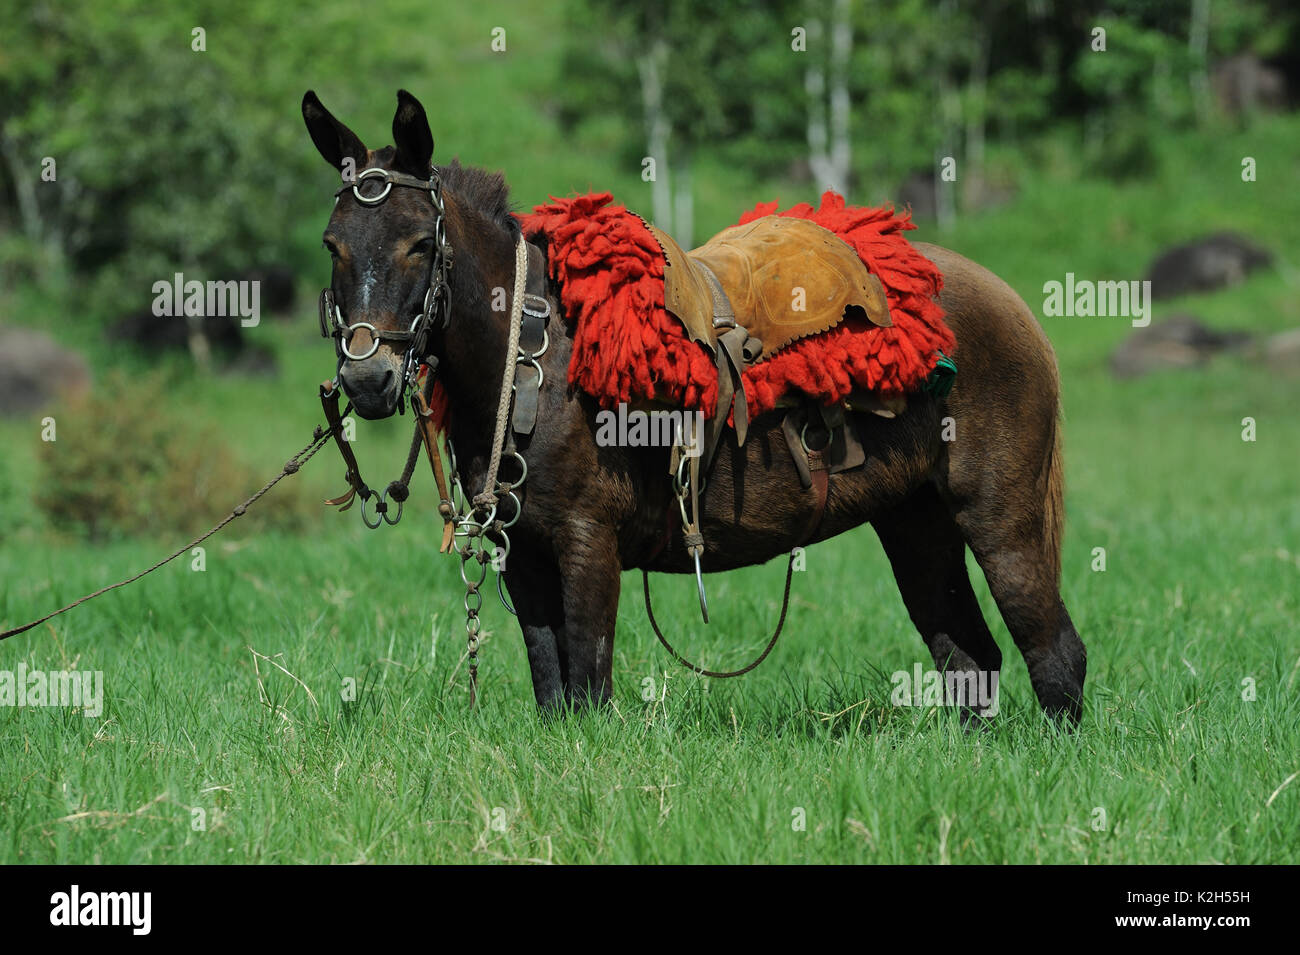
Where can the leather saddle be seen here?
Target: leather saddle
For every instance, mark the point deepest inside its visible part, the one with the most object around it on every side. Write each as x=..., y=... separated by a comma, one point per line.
x=779, y=278
x=753, y=289
x=744, y=295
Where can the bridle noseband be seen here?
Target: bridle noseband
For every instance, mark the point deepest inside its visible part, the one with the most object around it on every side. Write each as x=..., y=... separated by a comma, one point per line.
x=436, y=312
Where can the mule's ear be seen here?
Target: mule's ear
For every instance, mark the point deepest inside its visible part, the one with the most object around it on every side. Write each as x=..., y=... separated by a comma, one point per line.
x=411, y=136
x=334, y=140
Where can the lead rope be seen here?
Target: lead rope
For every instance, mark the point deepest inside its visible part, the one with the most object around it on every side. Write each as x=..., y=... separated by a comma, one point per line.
x=485, y=501
x=721, y=674
x=290, y=467
x=488, y=496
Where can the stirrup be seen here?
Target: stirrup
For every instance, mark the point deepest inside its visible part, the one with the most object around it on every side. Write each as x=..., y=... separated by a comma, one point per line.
x=684, y=484
x=699, y=582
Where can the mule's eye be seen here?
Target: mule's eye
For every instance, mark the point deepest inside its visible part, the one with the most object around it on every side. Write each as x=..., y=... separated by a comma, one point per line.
x=422, y=247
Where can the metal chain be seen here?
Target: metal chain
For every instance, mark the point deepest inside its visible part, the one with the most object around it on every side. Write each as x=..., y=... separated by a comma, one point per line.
x=482, y=541
x=472, y=534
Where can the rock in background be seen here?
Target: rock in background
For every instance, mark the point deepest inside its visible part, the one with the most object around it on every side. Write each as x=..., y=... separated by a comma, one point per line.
x=35, y=369
x=1203, y=265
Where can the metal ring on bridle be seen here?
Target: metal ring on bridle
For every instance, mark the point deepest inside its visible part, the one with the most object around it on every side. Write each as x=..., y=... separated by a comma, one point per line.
x=350, y=330
x=370, y=174
x=483, y=568
x=530, y=360
x=523, y=469
x=326, y=308
x=682, y=480
x=519, y=508
x=415, y=344
x=383, y=499
x=546, y=342
x=502, y=594
x=365, y=517
x=540, y=311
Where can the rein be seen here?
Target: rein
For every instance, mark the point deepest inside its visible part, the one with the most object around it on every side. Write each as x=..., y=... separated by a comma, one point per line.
x=290, y=467
x=721, y=674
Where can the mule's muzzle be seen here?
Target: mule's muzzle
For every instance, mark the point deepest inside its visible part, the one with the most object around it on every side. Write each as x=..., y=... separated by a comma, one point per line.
x=373, y=385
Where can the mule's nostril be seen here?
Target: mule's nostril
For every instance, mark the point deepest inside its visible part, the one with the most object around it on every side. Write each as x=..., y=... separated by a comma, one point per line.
x=388, y=380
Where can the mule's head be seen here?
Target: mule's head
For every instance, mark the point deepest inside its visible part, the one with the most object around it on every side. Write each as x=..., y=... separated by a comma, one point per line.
x=383, y=250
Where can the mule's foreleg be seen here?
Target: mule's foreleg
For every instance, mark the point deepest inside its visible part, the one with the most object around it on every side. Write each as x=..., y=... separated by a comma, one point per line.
x=590, y=567
x=535, y=592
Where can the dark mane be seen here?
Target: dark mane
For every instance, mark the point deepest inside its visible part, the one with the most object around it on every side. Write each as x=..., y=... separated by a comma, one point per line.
x=485, y=191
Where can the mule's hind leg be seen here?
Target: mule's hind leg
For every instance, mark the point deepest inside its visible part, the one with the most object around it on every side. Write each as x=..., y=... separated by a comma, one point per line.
x=928, y=556
x=1019, y=552
x=1027, y=596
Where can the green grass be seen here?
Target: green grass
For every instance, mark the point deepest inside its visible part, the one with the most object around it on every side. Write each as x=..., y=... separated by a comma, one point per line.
x=1201, y=593
x=1182, y=767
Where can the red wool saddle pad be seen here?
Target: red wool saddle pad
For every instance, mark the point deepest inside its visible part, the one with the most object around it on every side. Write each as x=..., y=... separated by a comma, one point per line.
x=627, y=347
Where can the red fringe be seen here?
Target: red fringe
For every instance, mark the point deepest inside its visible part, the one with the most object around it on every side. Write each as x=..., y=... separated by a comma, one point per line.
x=439, y=406
x=627, y=346
x=611, y=273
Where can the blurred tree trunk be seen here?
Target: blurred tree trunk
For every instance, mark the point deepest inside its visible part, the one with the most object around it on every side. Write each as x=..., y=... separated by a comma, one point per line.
x=950, y=119
x=48, y=230
x=1198, y=42
x=977, y=119
x=650, y=67
x=23, y=176
x=829, y=148
x=683, y=201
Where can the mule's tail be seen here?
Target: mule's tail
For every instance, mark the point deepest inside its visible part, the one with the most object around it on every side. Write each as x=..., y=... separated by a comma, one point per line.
x=1053, y=477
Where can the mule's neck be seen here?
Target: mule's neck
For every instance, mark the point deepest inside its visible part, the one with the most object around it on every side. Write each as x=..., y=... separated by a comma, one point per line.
x=471, y=351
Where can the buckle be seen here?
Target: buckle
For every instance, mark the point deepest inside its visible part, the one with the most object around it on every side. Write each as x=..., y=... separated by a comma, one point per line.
x=537, y=311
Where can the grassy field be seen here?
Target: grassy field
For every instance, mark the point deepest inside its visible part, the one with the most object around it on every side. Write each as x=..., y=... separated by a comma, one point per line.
x=224, y=736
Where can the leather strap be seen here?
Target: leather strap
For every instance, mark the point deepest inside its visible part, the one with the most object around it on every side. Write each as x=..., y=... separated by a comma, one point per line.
x=384, y=177
x=429, y=433
x=731, y=395
x=329, y=400
x=532, y=341
x=790, y=428
x=821, y=486
x=733, y=346
x=813, y=468
x=528, y=385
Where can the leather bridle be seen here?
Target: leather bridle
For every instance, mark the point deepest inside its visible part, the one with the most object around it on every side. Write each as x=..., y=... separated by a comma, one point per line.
x=436, y=312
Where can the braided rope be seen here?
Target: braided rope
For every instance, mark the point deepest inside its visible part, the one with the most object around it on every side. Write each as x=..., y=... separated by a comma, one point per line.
x=488, y=496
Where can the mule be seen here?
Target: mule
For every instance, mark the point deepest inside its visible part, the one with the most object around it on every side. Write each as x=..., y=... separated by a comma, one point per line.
x=590, y=512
